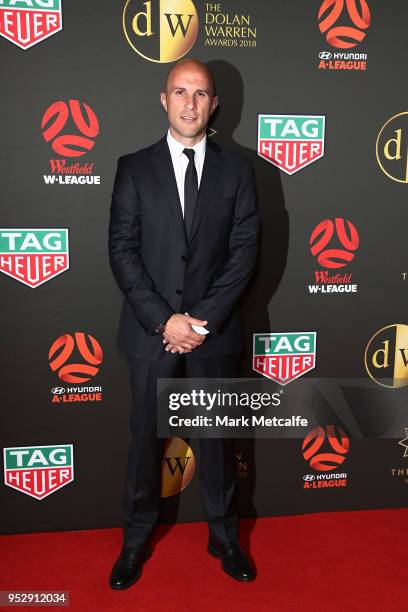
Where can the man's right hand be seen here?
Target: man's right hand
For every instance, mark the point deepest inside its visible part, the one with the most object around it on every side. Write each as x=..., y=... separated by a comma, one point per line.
x=179, y=334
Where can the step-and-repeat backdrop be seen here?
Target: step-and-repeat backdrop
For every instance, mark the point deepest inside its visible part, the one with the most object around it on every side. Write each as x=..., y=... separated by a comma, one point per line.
x=314, y=94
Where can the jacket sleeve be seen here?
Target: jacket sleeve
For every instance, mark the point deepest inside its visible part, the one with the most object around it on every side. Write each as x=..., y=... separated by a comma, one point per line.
x=124, y=252
x=221, y=297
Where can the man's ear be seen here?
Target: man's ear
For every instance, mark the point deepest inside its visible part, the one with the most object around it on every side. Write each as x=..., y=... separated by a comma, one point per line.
x=163, y=100
x=214, y=104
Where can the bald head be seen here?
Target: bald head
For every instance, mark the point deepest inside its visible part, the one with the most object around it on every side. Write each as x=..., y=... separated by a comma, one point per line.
x=193, y=65
x=189, y=101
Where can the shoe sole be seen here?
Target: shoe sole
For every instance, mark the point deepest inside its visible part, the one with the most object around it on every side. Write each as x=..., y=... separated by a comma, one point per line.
x=147, y=556
x=214, y=552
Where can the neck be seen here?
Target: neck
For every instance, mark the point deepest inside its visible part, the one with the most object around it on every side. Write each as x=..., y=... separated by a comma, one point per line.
x=186, y=141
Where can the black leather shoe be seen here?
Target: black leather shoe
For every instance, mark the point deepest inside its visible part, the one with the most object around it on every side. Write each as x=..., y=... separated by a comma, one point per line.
x=233, y=560
x=128, y=568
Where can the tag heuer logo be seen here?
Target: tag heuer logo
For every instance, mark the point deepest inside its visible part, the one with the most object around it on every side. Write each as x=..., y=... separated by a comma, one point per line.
x=33, y=256
x=291, y=142
x=282, y=356
x=38, y=471
x=27, y=22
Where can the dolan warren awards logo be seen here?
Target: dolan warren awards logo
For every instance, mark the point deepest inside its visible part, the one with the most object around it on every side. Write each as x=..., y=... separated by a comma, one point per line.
x=27, y=22
x=291, y=142
x=38, y=471
x=284, y=356
x=160, y=30
x=33, y=256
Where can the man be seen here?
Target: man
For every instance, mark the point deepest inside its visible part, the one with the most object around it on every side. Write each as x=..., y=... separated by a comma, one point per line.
x=183, y=242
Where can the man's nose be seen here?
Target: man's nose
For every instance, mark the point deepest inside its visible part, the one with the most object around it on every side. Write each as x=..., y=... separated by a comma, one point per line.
x=191, y=101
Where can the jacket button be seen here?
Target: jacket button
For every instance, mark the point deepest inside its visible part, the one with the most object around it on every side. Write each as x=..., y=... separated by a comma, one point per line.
x=183, y=258
x=179, y=291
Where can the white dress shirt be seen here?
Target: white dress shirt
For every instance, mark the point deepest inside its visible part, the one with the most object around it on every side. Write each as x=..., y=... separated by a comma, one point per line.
x=180, y=163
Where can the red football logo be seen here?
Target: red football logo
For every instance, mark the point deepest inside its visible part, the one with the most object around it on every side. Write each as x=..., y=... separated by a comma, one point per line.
x=62, y=349
x=322, y=236
x=344, y=37
x=55, y=119
x=325, y=461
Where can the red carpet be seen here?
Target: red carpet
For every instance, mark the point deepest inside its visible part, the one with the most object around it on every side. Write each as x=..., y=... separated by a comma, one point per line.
x=331, y=562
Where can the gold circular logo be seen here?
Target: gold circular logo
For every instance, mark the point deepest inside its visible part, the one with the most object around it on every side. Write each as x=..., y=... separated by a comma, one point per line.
x=178, y=467
x=386, y=356
x=160, y=30
x=391, y=148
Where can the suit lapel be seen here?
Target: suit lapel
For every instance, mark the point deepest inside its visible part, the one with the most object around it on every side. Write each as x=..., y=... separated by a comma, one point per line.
x=164, y=170
x=163, y=166
x=213, y=163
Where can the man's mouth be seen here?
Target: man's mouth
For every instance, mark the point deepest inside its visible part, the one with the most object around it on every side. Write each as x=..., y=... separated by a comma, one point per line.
x=188, y=118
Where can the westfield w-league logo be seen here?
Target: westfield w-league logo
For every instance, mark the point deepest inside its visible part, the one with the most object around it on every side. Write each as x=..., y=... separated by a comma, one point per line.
x=333, y=243
x=71, y=130
x=54, y=121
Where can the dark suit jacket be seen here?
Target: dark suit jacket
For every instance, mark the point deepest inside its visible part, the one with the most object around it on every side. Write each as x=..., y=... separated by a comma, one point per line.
x=161, y=272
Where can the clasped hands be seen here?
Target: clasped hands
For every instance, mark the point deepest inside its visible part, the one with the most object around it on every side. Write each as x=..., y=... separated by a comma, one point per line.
x=179, y=337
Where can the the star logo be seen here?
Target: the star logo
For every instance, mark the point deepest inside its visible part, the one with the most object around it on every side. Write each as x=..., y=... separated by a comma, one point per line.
x=404, y=442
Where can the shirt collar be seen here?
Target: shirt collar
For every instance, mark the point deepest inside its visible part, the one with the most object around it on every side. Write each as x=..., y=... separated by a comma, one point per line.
x=177, y=148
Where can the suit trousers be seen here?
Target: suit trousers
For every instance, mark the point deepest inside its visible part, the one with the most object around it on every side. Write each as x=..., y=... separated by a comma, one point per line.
x=143, y=475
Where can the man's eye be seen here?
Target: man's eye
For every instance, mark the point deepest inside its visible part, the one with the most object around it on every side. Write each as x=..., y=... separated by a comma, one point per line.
x=200, y=93
x=179, y=92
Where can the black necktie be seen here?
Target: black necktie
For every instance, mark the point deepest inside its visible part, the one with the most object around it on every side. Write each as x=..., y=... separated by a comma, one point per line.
x=190, y=190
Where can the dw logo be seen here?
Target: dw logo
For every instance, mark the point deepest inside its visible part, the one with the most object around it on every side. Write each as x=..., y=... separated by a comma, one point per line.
x=178, y=467
x=160, y=30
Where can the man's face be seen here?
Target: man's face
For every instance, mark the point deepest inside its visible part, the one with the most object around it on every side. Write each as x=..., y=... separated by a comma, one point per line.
x=188, y=102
